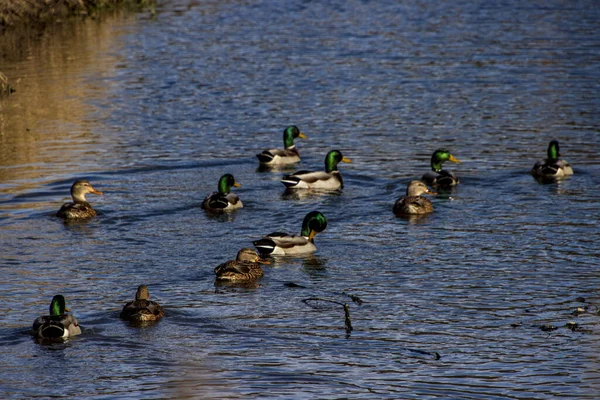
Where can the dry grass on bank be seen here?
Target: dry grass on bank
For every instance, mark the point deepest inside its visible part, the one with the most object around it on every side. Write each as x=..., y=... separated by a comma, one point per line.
x=18, y=12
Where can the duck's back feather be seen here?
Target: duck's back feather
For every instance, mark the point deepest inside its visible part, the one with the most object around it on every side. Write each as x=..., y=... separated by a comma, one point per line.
x=238, y=271
x=314, y=180
x=141, y=310
x=551, y=168
x=279, y=243
x=76, y=211
x=443, y=178
x=55, y=326
x=279, y=156
x=407, y=205
x=218, y=202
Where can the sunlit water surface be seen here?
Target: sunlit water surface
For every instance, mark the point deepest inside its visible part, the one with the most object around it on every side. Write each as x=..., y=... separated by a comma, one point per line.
x=153, y=110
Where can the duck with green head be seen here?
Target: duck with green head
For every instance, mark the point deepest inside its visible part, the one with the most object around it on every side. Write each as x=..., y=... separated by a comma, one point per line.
x=413, y=203
x=288, y=155
x=279, y=243
x=57, y=325
x=553, y=166
x=142, y=309
x=246, y=267
x=330, y=179
x=79, y=208
x=223, y=200
x=438, y=176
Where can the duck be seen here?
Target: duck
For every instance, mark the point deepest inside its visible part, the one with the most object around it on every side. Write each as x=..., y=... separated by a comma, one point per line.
x=223, y=200
x=330, y=179
x=142, y=309
x=279, y=243
x=439, y=176
x=289, y=154
x=245, y=267
x=413, y=202
x=552, y=167
x=79, y=208
x=57, y=325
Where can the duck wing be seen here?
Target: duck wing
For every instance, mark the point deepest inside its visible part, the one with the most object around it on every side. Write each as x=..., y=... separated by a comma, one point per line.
x=316, y=179
x=215, y=201
x=268, y=156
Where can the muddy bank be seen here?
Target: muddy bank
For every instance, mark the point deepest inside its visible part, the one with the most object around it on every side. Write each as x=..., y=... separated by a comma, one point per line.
x=22, y=21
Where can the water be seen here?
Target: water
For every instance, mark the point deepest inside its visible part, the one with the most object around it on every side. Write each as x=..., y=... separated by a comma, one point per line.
x=154, y=110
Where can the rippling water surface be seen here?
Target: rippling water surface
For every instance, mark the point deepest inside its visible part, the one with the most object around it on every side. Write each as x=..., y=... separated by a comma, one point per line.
x=154, y=110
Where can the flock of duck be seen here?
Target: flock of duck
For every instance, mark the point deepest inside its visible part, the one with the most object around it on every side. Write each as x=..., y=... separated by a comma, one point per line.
x=246, y=267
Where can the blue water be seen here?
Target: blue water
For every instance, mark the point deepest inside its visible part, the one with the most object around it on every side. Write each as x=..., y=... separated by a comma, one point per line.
x=153, y=110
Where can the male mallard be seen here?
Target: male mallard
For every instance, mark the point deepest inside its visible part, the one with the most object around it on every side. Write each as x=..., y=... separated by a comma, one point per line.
x=330, y=179
x=80, y=208
x=439, y=176
x=223, y=200
x=413, y=202
x=142, y=308
x=288, y=155
x=552, y=167
x=58, y=324
x=278, y=243
x=245, y=267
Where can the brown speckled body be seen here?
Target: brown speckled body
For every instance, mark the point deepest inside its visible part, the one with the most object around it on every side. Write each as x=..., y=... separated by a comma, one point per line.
x=245, y=267
x=142, y=309
x=413, y=202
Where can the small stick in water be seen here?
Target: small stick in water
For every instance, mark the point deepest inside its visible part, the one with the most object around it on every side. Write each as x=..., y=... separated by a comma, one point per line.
x=347, y=319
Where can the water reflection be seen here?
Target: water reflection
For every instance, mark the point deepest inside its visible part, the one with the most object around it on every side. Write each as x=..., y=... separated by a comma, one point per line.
x=46, y=126
x=307, y=194
x=415, y=219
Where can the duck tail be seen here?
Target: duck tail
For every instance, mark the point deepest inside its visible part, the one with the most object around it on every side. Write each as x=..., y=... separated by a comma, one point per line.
x=264, y=246
x=290, y=181
x=265, y=157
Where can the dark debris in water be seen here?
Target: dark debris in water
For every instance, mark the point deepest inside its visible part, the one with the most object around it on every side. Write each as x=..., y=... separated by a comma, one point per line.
x=575, y=327
x=293, y=285
x=548, y=328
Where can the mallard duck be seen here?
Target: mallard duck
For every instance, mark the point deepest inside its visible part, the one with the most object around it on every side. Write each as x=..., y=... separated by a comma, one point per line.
x=80, y=208
x=552, y=167
x=58, y=324
x=413, y=202
x=330, y=179
x=279, y=243
x=245, y=267
x=142, y=309
x=439, y=176
x=223, y=200
x=288, y=155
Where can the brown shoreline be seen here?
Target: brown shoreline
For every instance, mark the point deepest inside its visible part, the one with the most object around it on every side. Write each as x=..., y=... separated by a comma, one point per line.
x=22, y=20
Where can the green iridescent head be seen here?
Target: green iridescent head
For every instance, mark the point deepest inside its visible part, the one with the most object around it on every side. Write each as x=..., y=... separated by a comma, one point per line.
x=58, y=306
x=553, y=150
x=333, y=158
x=439, y=157
x=313, y=223
x=226, y=182
x=289, y=134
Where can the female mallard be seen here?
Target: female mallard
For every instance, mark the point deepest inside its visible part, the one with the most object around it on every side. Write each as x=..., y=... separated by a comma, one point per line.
x=288, y=155
x=80, y=208
x=552, y=167
x=439, y=176
x=245, y=267
x=413, y=202
x=330, y=179
x=223, y=200
x=142, y=309
x=279, y=243
x=58, y=324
